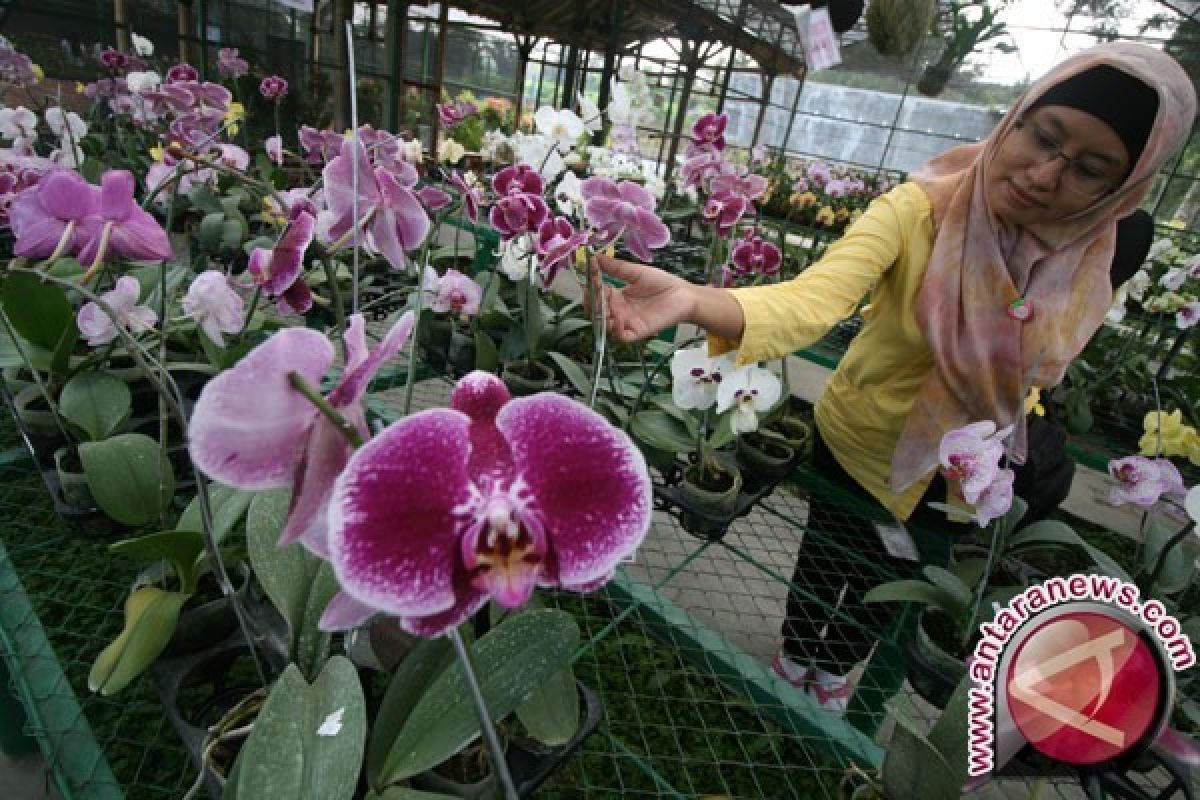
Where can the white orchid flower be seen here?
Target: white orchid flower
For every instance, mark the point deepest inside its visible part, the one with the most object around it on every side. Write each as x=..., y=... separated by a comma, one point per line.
x=695, y=377
x=749, y=391
x=142, y=81
x=141, y=45
x=451, y=151
x=561, y=124
x=18, y=123
x=65, y=124
x=514, y=258
x=569, y=194
x=589, y=112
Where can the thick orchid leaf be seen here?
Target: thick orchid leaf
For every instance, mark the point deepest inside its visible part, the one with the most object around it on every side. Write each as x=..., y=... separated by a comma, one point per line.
x=307, y=743
x=944, y=579
x=405, y=793
x=182, y=549
x=551, y=716
x=1180, y=563
x=228, y=506
x=1050, y=532
x=420, y=668
x=95, y=402
x=574, y=373
x=298, y=583
x=661, y=431
x=513, y=661
x=487, y=356
x=912, y=591
x=127, y=477
x=150, y=617
x=39, y=312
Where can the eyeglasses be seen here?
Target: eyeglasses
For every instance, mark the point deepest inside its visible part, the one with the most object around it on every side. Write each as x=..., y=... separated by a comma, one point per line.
x=1082, y=176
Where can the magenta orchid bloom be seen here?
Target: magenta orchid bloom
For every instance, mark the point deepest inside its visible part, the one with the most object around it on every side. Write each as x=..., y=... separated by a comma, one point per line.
x=1142, y=481
x=432, y=197
x=99, y=328
x=114, y=59
x=970, y=455
x=214, y=305
x=229, y=64
x=486, y=499
x=273, y=88
x=451, y=114
x=473, y=196
x=387, y=205
x=278, y=270
x=50, y=217
x=708, y=133
x=753, y=255
x=519, y=206
x=252, y=430
x=723, y=209
x=749, y=186
x=182, y=72
x=626, y=209
x=320, y=145
x=700, y=168
x=455, y=293
x=120, y=227
x=557, y=241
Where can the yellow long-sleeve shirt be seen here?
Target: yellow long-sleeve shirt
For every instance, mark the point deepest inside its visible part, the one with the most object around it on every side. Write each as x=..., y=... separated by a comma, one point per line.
x=862, y=412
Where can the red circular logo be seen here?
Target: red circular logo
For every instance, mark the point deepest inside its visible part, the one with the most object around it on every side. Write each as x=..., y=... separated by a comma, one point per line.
x=1083, y=687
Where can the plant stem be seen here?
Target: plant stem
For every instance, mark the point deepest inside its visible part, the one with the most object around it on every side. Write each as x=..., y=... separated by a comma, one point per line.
x=499, y=764
x=411, y=383
x=335, y=293
x=997, y=537
x=314, y=396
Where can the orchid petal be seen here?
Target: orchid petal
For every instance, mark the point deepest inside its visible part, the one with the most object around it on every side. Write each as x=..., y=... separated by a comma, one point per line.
x=391, y=520
x=355, y=380
x=249, y=423
x=591, y=484
x=324, y=458
x=297, y=299
x=344, y=613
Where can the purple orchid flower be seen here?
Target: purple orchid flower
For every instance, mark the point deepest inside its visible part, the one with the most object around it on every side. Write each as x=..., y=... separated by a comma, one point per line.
x=50, y=217
x=433, y=198
x=454, y=292
x=626, y=209
x=749, y=185
x=252, y=430
x=754, y=255
x=473, y=196
x=214, y=305
x=99, y=328
x=970, y=455
x=119, y=227
x=182, y=72
x=319, y=145
x=486, y=499
x=723, y=209
x=1142, y=481
x=114, y=59
x=701, y=168
x=390, y=208
x=274, y=149
x=818, y=173
x=273, y=88
x=708, y=133
x=278, y=270
x=450, y=115
x=229, y=64
x=519, y=207
x=557, y=241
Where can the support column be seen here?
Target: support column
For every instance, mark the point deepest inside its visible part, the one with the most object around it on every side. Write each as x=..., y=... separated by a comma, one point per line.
x=525, y=45
x=438, y=76
x=765, y=102
x=610, y=67
x=342, y=11
x=183, y=27
x=689, y=58
x=121, y=23
x=397, y=33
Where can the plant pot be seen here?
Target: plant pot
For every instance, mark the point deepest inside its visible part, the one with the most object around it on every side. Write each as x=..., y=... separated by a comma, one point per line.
x=528, y=377
x=934, y=79
x=529, y=763
x=933, y=672
x=763, y=461
x=72, y=481
x=709, y=507
x=35, y=416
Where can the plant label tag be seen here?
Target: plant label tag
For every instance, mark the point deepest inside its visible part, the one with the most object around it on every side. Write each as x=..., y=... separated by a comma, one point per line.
x=897, y=541
x=821, y=49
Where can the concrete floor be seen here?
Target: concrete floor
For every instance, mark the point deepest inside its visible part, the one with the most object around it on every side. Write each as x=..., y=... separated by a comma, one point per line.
x=25, y=778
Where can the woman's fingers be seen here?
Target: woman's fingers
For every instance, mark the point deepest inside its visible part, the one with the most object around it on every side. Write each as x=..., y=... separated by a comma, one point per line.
x=621, y=270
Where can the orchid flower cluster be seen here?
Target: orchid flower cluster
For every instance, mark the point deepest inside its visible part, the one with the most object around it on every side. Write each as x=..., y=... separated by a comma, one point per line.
x=701, y=382
x=820, y=194
x=442, y=510
x=1168, y=283
x=1166, y=434
x=970, y=459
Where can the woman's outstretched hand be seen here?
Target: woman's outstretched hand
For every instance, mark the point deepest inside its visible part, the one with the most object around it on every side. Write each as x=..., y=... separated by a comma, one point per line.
x=651, y=300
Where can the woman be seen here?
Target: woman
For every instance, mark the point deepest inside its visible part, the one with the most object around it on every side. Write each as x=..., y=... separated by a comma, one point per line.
x=987, y=273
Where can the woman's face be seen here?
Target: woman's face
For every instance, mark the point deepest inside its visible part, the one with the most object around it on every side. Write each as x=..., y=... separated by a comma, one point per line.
x=1054, y=163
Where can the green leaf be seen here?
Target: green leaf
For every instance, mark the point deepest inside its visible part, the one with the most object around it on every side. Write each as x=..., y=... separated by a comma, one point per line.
x=574, y=373
x=202, y=198
x=228, y=506
x=11, y=352
x=722, y=432
x=513, y=661
x=212, y=229
x=405, y=793
x=913, y=591
x=1180, y=563
x=531, y=307
x=1078, y=411
x=307, y=743
x=660, y=430
x=150, y=617
x=39, y=312
x=298, y=583
x=487, y=357
x=183, y=549
x=944, y=579
x=96, y=402
x=127, y=477
x=60, y=361
x=424, y=663
x=552, y=715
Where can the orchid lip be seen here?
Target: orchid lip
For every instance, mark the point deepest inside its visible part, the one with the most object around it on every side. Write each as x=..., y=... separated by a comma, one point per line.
x=503, y=543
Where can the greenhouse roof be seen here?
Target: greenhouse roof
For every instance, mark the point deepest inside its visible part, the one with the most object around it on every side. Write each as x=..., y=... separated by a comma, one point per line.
x=762, y=29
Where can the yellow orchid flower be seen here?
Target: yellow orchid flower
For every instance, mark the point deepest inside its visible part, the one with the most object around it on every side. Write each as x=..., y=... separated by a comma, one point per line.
x=235, y=114
x=825, y=216
x=38, y=72
x=1033, y=402
x=1165, y=434
x=158, y=153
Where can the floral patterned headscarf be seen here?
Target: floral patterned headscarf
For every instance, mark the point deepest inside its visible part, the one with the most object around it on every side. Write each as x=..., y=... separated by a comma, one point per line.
x=984, y=358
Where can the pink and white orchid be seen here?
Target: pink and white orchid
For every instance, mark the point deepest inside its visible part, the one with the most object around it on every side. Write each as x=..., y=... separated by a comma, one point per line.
x=278, y=270
x=970, y=455
x=1142, y=481
x=453, y=292
x=996, y=499
x=486, y=499
x=749, y=391
x=557, y=241
x=695, y=377
x=625, y=209
x=519, y=207
x=214, y=305
x=99, y=328
x=251, y=429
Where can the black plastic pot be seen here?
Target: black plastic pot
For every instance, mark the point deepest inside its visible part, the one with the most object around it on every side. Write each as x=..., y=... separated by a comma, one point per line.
x=529, y=763
x=932, y=672
x=699, y=514
x=763, y=462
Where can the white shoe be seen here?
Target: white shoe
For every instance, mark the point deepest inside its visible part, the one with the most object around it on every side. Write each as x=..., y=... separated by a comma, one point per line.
x=791, y=670
x=832, y=692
